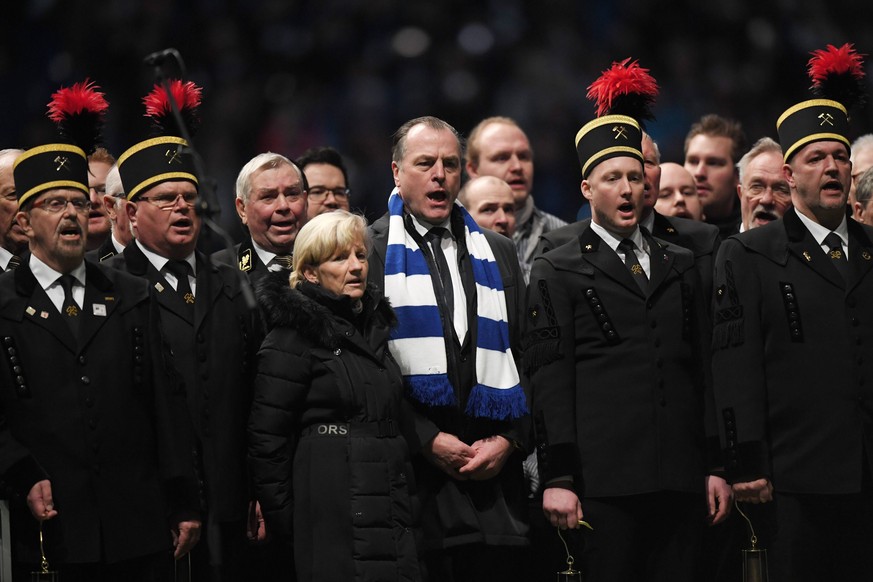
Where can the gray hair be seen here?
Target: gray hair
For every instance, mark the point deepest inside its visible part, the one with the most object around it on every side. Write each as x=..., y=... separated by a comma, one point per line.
x=862, y=143
x=762, y=146
x=267, y=160
x=11, y=152
x=864, y=189
x=114, y=187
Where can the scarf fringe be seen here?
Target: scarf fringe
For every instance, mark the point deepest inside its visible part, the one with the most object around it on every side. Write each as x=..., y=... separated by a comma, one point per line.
x=497, y=403
x=431, y=390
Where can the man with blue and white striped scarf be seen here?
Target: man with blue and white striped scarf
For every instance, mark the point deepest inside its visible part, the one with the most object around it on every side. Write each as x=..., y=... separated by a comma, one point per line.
x=458, y=293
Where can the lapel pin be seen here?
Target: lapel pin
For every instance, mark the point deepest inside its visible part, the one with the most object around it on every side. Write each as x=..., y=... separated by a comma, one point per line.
x=109, y=298
x=30, y=310
x=806, y=256
x=865, y=255
x=44, y=314
x=99, y=309
x=159, y=287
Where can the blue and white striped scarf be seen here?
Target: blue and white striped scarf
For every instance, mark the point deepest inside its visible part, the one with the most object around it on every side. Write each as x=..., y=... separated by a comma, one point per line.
x=418, y=343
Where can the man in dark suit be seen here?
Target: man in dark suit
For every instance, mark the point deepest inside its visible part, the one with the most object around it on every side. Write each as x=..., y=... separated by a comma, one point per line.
x=114, y=203
x=616, y=350
x=271, y=198
x=793, y=325
x=469, y=469
x=98, y=447
x=13, y=242
x=212, y=333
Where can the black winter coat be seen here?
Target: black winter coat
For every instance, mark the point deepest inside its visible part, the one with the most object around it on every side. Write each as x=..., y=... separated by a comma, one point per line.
x=329, y=466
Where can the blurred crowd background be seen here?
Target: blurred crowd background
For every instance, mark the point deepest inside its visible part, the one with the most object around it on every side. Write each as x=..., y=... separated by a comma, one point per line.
x=284, y=75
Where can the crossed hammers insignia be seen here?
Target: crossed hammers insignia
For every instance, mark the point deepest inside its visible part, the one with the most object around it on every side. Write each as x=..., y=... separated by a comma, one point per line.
x=62, y=162
x=826, y=118
x=173, y=156
x=619, y=131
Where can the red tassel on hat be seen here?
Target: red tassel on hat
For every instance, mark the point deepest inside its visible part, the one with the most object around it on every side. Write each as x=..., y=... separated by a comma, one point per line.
x=624, y=89
x=837, y=74
x=187, y=97
x=79, y=112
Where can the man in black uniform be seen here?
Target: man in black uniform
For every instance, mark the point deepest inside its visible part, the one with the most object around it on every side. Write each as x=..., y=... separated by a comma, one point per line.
x=271, y=198
x=700, y=238
x=616, y=349
x=791, y=364
x=99, y=447
x=212, y=333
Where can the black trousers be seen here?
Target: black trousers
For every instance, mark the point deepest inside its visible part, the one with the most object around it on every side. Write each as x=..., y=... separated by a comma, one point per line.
x=651, y=537
x=151, y=568
x=476, y=563
x=821, y=537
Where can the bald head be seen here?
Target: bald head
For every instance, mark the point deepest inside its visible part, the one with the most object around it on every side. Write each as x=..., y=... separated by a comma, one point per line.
x=677, y=195
x=491, y=203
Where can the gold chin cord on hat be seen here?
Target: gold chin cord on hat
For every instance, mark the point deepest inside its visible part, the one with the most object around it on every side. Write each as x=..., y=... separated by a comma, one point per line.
x=754, y=558
x=45, y=574
x=571, y=574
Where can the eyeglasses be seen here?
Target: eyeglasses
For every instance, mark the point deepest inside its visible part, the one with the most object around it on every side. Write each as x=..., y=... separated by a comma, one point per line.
x=318, y=193
x=168, y=202
x=59, y=204
x=779, y=191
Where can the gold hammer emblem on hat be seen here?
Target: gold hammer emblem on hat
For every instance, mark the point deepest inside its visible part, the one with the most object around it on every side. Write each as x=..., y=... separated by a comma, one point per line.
x=173, y=155
x=826, y=118
x=62, y=162
x=619, y=132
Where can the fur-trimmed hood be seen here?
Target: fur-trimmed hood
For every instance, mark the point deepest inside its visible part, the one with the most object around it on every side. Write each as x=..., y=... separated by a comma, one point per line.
x=318, y=315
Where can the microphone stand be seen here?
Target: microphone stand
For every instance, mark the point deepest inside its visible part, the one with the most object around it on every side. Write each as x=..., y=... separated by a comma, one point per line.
x=206, y=206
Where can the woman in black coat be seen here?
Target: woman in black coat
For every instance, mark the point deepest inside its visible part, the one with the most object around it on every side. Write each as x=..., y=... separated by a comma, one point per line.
x=330, y=468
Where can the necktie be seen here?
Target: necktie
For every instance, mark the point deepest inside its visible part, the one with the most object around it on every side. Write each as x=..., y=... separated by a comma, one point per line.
x=835, y=252
x=181, y=269
x=14, y=262
x=70, y=309
x=626, y=246
x=283, y=261
x=435, y=237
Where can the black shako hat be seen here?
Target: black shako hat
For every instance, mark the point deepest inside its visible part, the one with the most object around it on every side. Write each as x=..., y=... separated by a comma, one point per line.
x=606, y=137
x=623, y=94
x=836, y=75
x=810, y=121
x=78, y=113
x=165, y=156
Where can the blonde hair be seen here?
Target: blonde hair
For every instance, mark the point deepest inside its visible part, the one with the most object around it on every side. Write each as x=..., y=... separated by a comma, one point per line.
x=323, y=236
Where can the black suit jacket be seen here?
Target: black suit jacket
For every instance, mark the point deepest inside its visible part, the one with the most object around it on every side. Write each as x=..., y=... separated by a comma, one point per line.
x=244, y=257
x=103, y=418
x=618, y=375
x=791, y=358
x=214, y=349
x=105, y=251
x=465, y=512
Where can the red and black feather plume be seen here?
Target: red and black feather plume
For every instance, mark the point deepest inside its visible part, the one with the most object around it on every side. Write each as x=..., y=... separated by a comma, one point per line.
x=837, y=74
x=79, y=112
x=158, y=109
x=625, y=89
